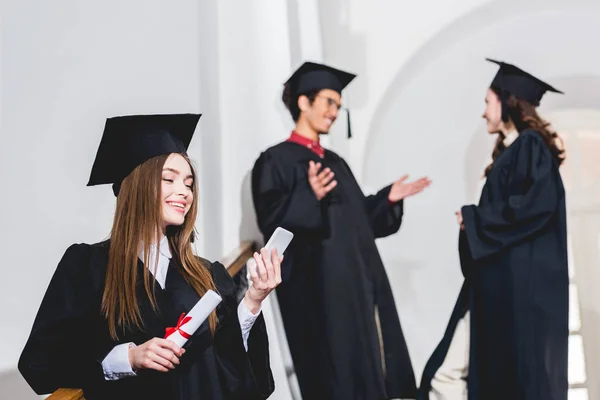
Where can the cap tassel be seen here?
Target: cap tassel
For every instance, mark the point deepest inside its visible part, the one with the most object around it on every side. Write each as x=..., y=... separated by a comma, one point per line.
x=349, y=128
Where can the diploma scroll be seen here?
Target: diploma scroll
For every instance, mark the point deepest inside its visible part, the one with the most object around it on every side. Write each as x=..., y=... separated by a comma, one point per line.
x=188, y=323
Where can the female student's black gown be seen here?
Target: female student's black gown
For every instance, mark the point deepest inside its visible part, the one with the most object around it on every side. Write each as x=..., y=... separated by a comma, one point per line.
x=513, y=254
x=70, y=338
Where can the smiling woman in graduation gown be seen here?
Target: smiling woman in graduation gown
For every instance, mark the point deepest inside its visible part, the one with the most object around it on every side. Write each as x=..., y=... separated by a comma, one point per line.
x=513, y=253
x=71, y=339
x=334, y=281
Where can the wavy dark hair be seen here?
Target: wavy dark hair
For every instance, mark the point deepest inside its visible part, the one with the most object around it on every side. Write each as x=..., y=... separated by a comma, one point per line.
x=291, y=101
x=524, y=115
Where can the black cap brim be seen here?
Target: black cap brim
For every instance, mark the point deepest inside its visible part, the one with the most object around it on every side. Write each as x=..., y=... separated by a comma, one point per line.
x=522, y=84
x=312, y=76
x=130, y=140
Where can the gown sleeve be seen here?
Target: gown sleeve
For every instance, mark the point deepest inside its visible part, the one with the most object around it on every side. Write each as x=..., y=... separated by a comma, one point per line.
x=533, y=193
x=57, y=353
x=244, y=374
x=279, y=203
x=385, y=217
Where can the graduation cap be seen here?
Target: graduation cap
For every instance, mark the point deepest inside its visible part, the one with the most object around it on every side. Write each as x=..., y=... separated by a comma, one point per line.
x=312, y=76
x=513, y=80
x=130, y=140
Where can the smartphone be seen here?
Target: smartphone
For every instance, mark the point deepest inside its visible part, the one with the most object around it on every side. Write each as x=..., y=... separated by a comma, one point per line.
x=280, y=240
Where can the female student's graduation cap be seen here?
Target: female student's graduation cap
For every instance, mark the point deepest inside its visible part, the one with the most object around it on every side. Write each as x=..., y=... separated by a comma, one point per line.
x=513, y=80
x=312, y=77
x=130, y=140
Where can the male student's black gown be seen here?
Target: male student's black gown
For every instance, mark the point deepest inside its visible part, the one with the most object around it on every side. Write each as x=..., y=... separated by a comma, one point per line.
x=333, y=278
x=513, y=255
x=70, y=338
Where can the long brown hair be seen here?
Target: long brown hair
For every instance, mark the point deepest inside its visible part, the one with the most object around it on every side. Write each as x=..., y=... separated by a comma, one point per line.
x=137, y=222
x=524, y=115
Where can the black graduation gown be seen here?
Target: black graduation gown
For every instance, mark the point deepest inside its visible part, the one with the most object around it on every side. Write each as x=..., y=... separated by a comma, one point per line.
x=513, y=254
x=70, y=338
x=333, y=278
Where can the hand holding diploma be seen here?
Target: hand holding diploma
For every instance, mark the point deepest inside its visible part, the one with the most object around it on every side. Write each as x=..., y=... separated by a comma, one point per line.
x=188, y=323
x=163, y=354
x=159, y=354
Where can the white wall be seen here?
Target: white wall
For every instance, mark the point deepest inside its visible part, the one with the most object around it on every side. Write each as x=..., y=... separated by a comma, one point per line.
x=254, y=57
x=64, y=70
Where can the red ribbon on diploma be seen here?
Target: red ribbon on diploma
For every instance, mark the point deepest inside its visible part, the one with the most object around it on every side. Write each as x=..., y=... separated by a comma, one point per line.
x=182, y=321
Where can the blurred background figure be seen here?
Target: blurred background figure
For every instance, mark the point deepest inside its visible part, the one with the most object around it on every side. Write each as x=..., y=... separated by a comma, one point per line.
x=336, y=302
x=507, y=337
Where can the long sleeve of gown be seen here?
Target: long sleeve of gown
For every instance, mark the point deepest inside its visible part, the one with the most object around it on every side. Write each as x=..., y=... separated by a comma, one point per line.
x=57, y=353
x=385, y=218
x=280, y=202
x=245, y=374
x=529, y=204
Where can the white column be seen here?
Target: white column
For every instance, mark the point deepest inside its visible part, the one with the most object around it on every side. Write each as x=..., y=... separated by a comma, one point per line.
x=246, y=53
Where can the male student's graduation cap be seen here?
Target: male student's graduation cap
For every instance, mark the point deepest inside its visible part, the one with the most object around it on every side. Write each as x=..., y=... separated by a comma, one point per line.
x=312, y=76
x=513, y=80
x=130, y=140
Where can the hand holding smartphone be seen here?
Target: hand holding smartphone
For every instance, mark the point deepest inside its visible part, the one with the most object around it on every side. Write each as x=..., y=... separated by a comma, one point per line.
x=279, y=240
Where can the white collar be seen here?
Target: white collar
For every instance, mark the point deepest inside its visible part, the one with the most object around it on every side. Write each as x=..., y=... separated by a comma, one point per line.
x=164, y=249
x=509, y=138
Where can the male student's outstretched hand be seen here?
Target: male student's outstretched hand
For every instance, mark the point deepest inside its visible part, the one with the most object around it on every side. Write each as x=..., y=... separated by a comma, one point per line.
x=320, y=182
x=402, y=189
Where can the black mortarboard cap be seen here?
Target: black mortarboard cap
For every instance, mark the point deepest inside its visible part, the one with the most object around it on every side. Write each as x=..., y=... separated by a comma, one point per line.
x=520, y=83
x=312, y=76
x=130, y=140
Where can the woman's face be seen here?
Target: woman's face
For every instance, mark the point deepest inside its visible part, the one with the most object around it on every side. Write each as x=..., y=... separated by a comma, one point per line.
x=493, y=112
x=176, y=190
